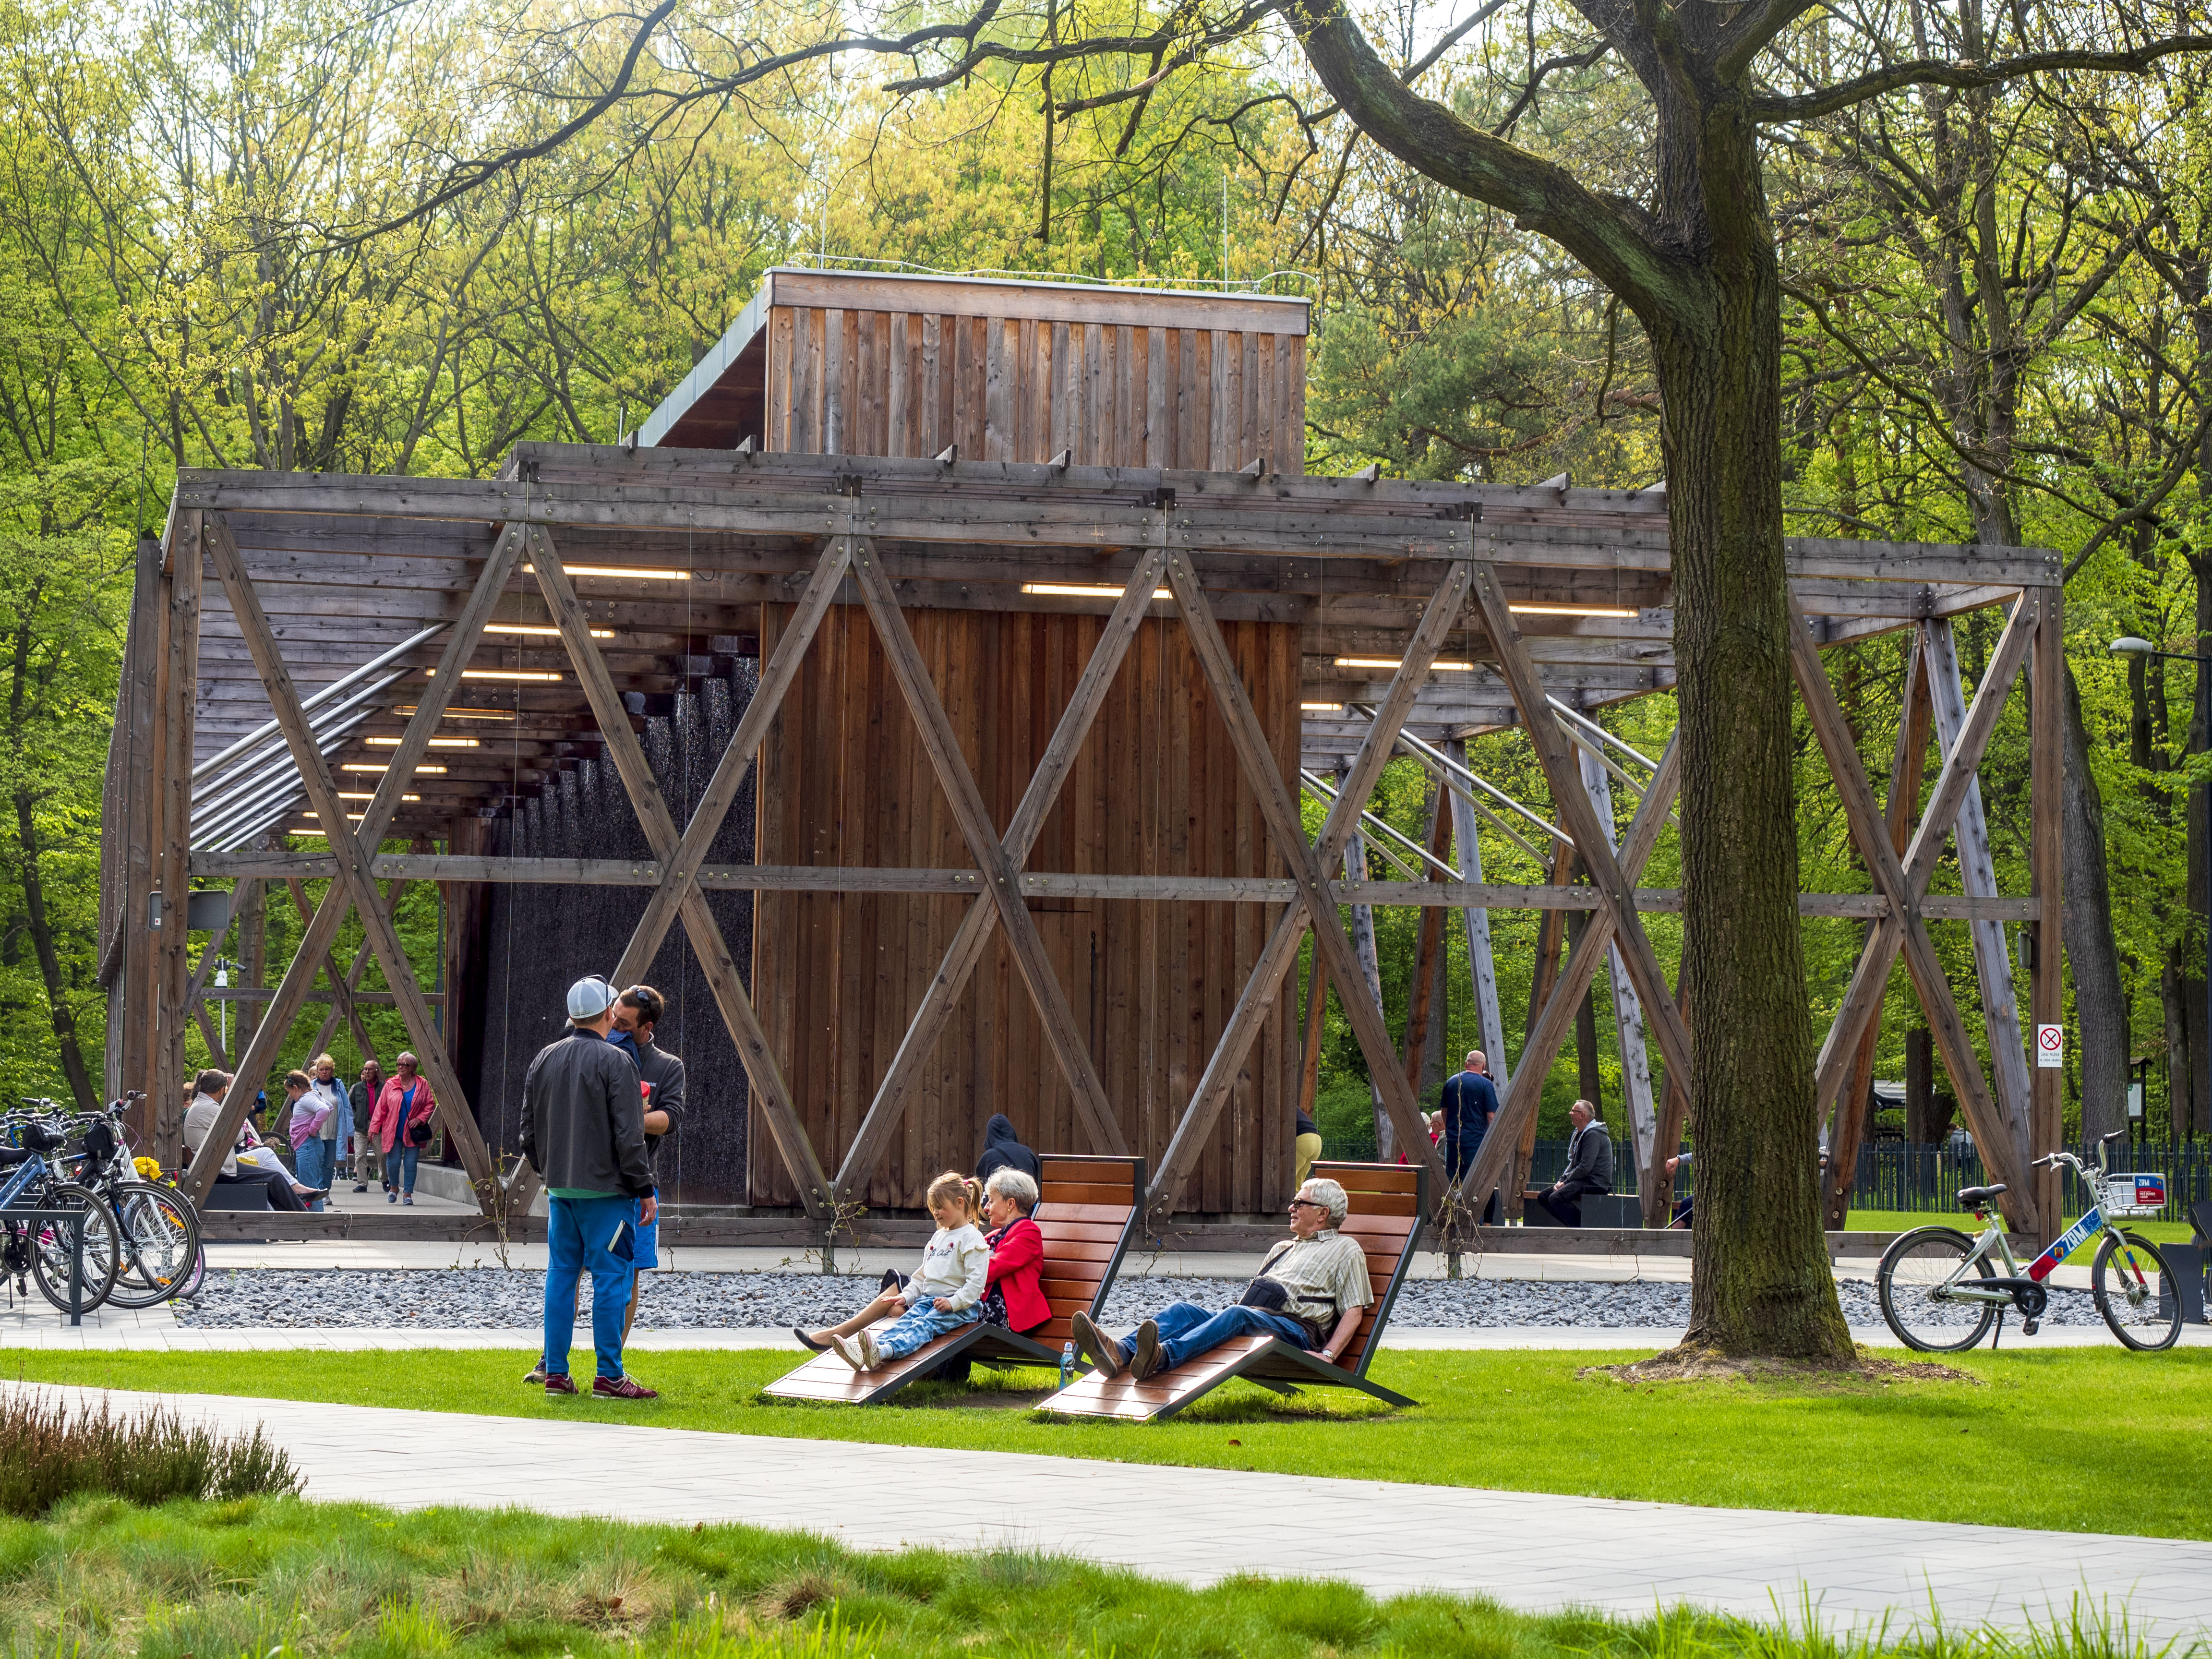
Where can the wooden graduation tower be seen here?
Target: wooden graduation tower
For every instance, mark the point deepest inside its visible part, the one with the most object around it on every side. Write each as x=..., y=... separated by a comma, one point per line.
x=1052, y=634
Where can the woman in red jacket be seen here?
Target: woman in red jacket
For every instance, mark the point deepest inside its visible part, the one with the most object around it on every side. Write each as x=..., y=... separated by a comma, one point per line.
x=1013, y=1289
x=403, y=1112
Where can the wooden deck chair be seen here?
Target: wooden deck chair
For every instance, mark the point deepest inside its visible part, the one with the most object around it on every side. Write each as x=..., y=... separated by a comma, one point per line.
x=1387, y=1201
x=1088, y=1209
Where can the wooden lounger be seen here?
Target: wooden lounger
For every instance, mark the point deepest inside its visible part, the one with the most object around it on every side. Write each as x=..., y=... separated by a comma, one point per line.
x=1387, y=1201
x=1089, y=1210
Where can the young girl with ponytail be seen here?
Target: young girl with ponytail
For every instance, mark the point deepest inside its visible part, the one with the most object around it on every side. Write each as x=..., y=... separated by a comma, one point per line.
x=945, y=1293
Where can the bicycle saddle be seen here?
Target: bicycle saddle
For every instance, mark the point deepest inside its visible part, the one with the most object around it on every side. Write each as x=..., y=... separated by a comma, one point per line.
x=11, y=1156
x=1970, y=1196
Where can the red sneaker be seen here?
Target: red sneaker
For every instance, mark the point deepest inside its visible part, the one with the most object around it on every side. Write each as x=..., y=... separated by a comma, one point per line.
x=560, y=1382
x=622, y=1388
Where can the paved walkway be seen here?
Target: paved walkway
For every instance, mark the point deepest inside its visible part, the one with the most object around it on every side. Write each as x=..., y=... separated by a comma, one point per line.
x=1530, y=1551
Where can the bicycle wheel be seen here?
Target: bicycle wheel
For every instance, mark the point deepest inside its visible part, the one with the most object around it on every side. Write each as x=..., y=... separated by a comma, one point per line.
x=161, y=1243
x=50, y=1248
x=2129, y=1281
x=1913, y=1271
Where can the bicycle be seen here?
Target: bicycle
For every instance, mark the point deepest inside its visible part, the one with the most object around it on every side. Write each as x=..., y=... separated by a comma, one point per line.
x=1940, y=1292
x=38, y=1245
x=157, y=1226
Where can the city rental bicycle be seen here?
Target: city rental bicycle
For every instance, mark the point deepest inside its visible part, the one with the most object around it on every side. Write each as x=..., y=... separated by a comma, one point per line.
x=1940, y=1292
x=32, y=1241
x=157, y=1229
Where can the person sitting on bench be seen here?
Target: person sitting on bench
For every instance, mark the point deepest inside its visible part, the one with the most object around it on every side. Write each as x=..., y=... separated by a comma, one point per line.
x=1310, y=1290
x=1589, y=1167
x=207, y=1090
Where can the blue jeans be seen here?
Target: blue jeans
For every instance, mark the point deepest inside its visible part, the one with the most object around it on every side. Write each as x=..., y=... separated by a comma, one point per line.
x=312, y=1162
x=919, y=1325
x=399, y=1161
x=577, y=1233
x=1188, y=1330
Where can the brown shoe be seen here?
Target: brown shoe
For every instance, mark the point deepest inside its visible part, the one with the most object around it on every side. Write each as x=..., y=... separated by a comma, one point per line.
x=1101, y=1349
x=1146, y=1359
x=560, y=1382
x=536, y=1374
x=622, y=1388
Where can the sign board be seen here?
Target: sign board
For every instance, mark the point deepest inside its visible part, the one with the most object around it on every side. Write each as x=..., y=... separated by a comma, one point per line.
x=2134, y=1100
x=2051, y=1045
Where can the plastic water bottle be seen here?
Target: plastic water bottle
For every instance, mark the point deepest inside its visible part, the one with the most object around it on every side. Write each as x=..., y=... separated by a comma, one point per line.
x=1067, y=1364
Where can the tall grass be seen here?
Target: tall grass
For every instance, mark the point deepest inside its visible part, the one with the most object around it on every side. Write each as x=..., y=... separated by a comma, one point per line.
x=48, y=1452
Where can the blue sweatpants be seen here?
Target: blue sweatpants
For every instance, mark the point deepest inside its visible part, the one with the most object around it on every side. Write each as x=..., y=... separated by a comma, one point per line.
x=1188, y=1330
x=577, y=1233
x=921, y=1324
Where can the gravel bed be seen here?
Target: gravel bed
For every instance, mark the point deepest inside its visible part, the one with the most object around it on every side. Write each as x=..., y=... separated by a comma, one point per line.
x=460, y=1299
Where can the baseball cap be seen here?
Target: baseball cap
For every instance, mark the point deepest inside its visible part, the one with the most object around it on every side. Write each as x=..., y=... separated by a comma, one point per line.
x=590, y=997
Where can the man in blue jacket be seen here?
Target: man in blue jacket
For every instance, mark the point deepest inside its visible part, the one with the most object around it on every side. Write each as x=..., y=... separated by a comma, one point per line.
x=583, y=1127
x=1470, y=1101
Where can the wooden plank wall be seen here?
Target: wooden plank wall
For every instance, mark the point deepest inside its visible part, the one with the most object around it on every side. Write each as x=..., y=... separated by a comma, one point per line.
x=1155, y=790
x=845, y=382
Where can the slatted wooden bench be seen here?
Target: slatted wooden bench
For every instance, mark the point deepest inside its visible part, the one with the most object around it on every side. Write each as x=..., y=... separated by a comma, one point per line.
x=1088, y=1210
x=1387, y=1201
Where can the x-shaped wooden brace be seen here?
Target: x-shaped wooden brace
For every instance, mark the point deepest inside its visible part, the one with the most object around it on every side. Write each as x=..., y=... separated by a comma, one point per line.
x=1525, y=1091
x=966, y=950
x=1903, y=882
x=1001, y=869
x=679, y=855
x=355, y=886
x=1317, y=904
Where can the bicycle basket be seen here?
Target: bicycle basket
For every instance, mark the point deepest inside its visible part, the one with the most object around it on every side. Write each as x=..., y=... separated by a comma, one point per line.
x=2131, y=1195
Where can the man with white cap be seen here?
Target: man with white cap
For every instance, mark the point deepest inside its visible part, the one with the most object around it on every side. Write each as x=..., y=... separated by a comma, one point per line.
x=583, y=1127
x=1310, y=1290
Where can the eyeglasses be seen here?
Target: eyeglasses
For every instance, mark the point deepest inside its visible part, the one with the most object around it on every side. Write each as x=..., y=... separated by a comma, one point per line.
x=1310, y=1204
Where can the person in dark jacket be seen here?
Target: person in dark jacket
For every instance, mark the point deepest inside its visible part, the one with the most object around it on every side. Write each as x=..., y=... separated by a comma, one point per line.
x=1002, y=1151
x=583, y=1127
x=637, y=1016
x=1589, y=1167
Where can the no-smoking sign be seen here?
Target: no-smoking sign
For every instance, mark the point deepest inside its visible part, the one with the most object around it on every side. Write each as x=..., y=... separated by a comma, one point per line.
x=2050, y=1045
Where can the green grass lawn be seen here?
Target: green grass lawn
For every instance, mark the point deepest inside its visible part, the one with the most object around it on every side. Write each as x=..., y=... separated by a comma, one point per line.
x=277, y=1579
x=2012, y=1451
x=1901, y=1221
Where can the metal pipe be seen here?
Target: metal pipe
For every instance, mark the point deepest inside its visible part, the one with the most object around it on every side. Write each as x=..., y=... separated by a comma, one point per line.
x=224, y=803
x=257, y=761
x=1316, y=785
x=261, y=733
x=1601, y=734
x=1413, y=747
x=1483, y=784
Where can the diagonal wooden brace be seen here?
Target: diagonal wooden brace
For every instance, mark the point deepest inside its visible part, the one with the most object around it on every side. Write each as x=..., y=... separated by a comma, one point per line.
x=1317, y=906
x=715, y=961
x=1000, y=874
x=966, y=950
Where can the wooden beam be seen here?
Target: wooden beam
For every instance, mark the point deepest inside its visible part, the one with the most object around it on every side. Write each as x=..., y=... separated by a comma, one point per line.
x=1627, y=1011
x=1317, y=897
x=2046, y=862
x=1518, y=1106
x=156, y=1120
x=1592, y=842
x=1977, y=875
x=180, y=638
x=1426, y=947
x=1356, y=867
x=341, y=984
x=1481, y=966
x=1070, y=1046
x=348, y=858
x=735, y=762
x=353, y=994
x=1038, y=798
x=1316, y=1022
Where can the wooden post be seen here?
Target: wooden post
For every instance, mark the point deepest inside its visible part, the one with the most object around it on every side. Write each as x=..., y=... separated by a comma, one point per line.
x=253, y=957
x=1481, y=965
x=1427, y=948
x=1370, y=965
x=342, y=984
x=180, y=683
x=1627, y=1013
x=1551, y=938
x=156, y=1120
x=1316, y=1023
x=2046, y=994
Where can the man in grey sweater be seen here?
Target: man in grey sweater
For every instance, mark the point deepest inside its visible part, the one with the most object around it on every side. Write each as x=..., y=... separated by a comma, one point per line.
x=1589, y=1167
x=583, y=1127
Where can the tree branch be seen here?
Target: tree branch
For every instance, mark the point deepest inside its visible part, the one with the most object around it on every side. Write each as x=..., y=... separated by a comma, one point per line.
x=1932, y=72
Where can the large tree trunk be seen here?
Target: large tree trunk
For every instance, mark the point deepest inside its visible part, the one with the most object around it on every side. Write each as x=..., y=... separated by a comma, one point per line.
x=1761, y=1283
x=2100, y=1008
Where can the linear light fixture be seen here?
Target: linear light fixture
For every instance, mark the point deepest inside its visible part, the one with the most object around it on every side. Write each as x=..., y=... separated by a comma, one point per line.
x=1322, y=707
x=464, y=714
x=633, y=573
x=1440, y=666
x=1570, y=610
x=536, y=632
x=534, y=676
x=378, y=766
x=351, y=817
x=436, y=743
x=1088, y=590
x=355, y=794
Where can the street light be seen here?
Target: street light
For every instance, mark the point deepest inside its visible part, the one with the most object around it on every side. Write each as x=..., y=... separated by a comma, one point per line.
x=2129, y=646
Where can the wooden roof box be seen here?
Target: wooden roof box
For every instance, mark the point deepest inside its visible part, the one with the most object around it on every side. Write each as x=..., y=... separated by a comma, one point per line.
x=841, y=362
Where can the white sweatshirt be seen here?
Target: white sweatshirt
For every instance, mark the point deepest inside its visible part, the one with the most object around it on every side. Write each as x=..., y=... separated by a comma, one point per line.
x=955, y=1265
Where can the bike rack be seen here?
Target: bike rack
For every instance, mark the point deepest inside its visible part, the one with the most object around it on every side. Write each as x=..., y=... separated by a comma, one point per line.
x=75, y=1220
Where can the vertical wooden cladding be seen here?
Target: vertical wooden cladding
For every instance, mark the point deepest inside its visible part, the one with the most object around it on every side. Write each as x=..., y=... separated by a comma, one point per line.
x=868, y=382
x=844, y=781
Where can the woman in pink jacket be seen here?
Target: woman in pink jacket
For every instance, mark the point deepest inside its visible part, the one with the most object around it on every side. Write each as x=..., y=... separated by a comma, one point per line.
x=405, y=1103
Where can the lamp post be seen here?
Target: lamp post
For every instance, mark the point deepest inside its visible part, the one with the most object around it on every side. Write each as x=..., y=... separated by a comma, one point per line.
x=2131, y=646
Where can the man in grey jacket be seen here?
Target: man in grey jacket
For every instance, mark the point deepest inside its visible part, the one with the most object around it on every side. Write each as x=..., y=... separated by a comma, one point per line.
x=583, y=1127
x=1589, y=1167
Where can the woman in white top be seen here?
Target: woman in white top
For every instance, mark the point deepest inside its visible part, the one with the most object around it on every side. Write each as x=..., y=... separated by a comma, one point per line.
x=945, y=1292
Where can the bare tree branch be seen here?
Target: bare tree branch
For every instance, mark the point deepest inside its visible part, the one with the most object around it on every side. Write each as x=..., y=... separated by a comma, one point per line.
x=1931, y=72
